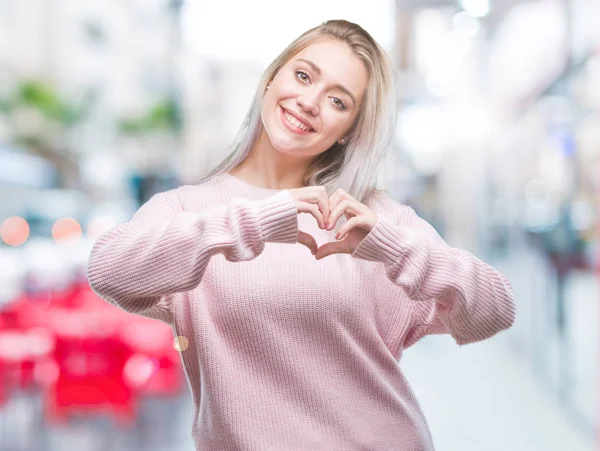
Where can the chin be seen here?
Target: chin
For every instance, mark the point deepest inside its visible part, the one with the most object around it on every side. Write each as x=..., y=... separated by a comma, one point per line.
x=287, y=148
x=283, y=143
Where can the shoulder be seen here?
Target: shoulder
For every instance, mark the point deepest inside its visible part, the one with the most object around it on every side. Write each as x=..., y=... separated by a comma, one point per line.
x=191, y=197
x=166, y=204
x=172, y=197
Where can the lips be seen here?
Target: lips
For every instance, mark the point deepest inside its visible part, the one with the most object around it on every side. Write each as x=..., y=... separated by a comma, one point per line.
x=299, y=119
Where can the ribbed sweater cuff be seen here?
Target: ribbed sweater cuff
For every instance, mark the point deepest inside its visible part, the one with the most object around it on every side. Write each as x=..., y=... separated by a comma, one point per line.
x=278, y=218
x=384, y=243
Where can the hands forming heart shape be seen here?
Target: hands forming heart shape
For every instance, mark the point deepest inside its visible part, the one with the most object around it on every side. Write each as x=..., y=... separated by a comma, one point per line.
x=327, y=211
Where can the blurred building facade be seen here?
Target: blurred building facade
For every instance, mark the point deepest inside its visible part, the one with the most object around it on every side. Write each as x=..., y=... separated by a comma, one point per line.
x=216, y=98
x=117, y=60
x=499, y=109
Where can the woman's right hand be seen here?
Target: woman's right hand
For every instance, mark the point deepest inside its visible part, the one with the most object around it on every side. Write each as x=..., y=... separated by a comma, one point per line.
x=313, y=200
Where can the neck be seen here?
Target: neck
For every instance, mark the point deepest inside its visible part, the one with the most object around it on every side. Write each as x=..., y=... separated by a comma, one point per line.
x=268, y=168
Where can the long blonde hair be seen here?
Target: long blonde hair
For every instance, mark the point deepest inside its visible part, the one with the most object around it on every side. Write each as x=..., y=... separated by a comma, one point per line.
x=354, y=165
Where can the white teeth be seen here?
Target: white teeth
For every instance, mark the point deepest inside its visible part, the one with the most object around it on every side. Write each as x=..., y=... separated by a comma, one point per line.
x=291, y=119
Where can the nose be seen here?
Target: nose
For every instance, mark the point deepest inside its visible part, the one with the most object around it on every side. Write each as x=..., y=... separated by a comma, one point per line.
x=309, y=101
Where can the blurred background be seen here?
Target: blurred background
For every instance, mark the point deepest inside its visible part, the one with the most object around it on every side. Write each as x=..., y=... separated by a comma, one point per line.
x=104, y=103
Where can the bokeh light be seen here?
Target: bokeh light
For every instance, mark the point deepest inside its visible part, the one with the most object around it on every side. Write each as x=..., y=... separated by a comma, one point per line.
x=14, y=231
x=476, y=8
x=66, y=231
x=181, y=343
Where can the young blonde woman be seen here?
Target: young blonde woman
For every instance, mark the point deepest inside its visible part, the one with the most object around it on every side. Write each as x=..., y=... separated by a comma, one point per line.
x=287, y=349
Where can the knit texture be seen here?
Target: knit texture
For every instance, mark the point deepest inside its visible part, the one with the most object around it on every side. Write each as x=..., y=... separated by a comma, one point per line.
x=287, y=353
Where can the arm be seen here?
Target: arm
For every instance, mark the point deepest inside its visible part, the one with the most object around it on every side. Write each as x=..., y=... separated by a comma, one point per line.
x=453, y=291
x=138, y=265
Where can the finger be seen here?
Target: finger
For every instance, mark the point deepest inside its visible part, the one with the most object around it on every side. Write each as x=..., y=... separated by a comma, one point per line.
x=321, y=201
x=324, y=206
x=333, y=247
x=308, y=241
x=335, y=199
x=351, y=224
x=338, y=196
x=344, y=206
x=313, y=209
x=311, y=248
x=316, y=212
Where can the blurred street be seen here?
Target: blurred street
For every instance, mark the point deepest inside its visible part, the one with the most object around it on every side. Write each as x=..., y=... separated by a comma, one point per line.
x=479, y=397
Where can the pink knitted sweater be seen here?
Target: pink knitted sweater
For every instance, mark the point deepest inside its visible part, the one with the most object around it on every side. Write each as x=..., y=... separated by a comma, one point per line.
x=287, y=353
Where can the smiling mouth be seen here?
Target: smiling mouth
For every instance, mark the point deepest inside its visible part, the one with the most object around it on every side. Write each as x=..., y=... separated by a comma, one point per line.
x=291, y=120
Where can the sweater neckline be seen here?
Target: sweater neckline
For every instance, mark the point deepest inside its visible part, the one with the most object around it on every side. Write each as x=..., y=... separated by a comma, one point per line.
x=247, y=186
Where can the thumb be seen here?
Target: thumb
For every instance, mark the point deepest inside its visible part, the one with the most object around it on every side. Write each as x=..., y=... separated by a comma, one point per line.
x=333, y=247
x=307, y=240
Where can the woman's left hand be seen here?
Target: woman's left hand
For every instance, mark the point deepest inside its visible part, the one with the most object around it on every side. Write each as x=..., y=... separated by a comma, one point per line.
x=361, y=221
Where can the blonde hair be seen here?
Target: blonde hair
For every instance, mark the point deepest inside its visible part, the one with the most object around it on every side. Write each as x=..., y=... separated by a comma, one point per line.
x=352, y=166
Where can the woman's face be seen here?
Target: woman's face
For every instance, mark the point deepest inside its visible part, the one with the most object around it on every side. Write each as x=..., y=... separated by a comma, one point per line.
x=314, y=98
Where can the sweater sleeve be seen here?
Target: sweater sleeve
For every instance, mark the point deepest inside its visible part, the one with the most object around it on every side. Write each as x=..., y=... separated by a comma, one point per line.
x=163, y=250
x=453, y=291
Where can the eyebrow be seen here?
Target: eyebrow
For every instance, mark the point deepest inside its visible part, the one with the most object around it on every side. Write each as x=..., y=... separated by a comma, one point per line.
x=338, y=86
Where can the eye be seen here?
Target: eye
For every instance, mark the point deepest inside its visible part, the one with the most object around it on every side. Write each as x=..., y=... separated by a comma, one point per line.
x=338, y=103
x=303, y=76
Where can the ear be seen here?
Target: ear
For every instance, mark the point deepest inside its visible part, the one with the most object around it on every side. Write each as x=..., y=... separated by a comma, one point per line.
x=347, y=136
x=345, y=139
x=268, y=84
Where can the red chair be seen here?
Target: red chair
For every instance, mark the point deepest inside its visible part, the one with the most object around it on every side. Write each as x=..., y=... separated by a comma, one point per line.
x=20, y=352
x=154, y=367
x=88, y=356
x=91, y=359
